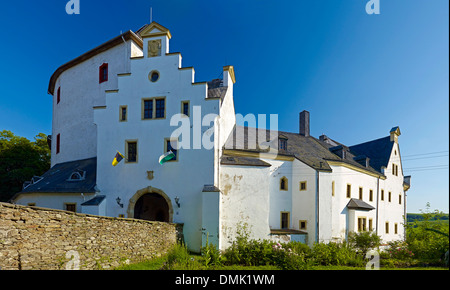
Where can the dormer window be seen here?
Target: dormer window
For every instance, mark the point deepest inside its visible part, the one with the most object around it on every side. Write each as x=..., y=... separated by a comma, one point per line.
x=103, y=73
x=77, y=175
x=282, y=143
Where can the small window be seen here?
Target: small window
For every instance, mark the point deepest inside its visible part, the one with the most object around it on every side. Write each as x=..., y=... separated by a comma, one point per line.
x=123, y=113
x=395, y=228
x=362, y=224
x=370, y=224
x=58, y=95
x=387, y=228
x=332, y=188
x=148, y=109
x=185, y=108
x=131, y=151
x=153, y=76
x=77, y=175
x=361, y=193
x=399, y=199
x=371, y=195
x=284, y=220
x=382, y=194
x=160, y=108
x=58, y=143
x=302, y=185
x=302, y=225
x=282, y=144
x=171, y=145
x=283, y=183
x=349, y=190
x=71, y=207
x=389, y=196
x=103, y=73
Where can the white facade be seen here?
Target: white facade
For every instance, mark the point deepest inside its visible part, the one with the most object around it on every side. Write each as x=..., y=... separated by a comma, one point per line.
x=211, y=195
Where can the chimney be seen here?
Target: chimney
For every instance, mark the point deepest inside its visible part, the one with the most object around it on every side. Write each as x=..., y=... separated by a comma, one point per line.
x=304, y=123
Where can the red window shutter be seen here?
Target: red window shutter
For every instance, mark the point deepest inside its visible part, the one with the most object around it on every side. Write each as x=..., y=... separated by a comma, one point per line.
x=58, y=142
x=103, y=73
x=58, y=95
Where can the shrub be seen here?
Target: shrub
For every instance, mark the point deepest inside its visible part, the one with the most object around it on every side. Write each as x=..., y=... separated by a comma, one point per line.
x=332, y=253
x=364, y=241
x=428, y=239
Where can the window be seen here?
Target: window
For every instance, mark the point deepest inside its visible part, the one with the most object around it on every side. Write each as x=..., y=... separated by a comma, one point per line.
x=284, y=219
x=399, y=199
x=185, y=108
x=394, y=169
x=153, y=76
x=395, y=228
x=71, y=207
x=302, y=185
x=153, y=108
x=362, y=224
x=302, y=225
x=370, y=224
x=332, y=188
x=103, y=73
x=360, y=193
x=283, y=183
x=387, y=227
x=389, y=196
x=58, y=143
x=131, y=151
x=370, y=195
x=122, y=113
x=282, y=144
x=382, y=194
x=148, y=109
x=160, y=108
x=171, y=145
x=58, y=95
x=349, y=190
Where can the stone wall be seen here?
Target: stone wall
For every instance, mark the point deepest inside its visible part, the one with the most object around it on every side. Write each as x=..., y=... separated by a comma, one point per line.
x=41, y=238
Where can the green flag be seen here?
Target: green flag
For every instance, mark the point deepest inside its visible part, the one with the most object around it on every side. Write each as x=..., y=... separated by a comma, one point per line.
x=166, y=157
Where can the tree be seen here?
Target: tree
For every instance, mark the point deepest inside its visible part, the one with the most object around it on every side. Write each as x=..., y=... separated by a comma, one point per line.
x=20, y=160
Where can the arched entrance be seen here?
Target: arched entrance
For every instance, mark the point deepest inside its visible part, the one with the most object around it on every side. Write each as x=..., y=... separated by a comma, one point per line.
x=150, y=204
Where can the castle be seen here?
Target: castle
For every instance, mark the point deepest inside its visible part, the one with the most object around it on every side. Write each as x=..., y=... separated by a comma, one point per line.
x=124, y=99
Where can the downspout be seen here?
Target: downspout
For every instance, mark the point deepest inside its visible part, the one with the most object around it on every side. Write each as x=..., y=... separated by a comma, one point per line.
x=378, y=195
x=317, y=205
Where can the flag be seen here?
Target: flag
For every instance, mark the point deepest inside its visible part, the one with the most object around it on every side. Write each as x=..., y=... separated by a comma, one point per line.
x=117, y=159
x=166, y=157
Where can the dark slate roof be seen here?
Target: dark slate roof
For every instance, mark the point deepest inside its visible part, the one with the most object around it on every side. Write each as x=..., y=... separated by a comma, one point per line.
x=96, y=200
x=244, y=161
x=311, y=151
x=57, y=178
x=359, y=204
x=379, y=151
x=210, y=188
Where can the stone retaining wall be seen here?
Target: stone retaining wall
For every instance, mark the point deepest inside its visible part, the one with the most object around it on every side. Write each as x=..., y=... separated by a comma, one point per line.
x=41, y=238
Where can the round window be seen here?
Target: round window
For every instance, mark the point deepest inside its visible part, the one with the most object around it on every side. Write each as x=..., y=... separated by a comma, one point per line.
x=153, y=76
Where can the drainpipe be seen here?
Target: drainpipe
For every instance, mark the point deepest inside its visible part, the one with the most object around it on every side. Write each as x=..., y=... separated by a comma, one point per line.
x=317, y=205
x=378, y=193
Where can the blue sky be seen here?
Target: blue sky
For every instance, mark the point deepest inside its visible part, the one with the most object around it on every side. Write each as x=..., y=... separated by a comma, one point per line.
x=359, y=75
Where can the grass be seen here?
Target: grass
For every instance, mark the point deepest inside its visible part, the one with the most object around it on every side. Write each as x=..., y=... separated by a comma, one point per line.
x=158, y=264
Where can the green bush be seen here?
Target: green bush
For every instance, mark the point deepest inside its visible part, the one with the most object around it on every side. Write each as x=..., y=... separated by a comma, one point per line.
x=428, y=239
x=341, y=254
x=364, y=241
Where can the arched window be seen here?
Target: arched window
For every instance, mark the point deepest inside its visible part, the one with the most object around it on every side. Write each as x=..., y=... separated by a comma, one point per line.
x=77, y=175
x=283, y=183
